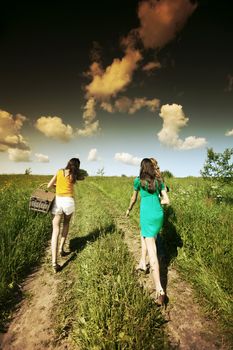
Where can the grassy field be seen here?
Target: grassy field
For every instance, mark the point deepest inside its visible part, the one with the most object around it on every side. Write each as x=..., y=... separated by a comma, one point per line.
x=197, y=238
x=23, y=236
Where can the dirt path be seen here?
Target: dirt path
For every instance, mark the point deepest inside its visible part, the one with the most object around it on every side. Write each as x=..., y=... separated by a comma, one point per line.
x=31, y=327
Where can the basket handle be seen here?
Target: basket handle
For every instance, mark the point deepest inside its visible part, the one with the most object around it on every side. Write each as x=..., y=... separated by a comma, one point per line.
x=43, y=186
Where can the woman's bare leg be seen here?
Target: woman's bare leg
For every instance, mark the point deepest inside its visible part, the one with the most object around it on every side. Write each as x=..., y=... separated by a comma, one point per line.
x=54, y=240
x=65, y=231
x=154, y=264
x=142, y=262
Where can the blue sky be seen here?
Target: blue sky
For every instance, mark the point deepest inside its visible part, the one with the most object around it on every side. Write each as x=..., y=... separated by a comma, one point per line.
x=158, y=83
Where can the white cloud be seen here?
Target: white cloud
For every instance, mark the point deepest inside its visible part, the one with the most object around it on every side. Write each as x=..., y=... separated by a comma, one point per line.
x=89, y=129
x=160, y=21
x=115, y=78
x=19, y=155
x=55, y=128
x=173, y=120
x=106, y=106
x=93, y=155
x=151, y=66
x=191, y=142
x=131, y=106
x=139, y=103
x=127, y=158
x=229, y=133
x=10, y=128
x=89, y=113
x=42, y=158
x=107, y=83
x=123, y=104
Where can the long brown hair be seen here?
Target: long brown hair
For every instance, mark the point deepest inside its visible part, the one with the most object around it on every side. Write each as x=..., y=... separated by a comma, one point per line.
x=157, y=171
x=147, y=175
x=73, y=166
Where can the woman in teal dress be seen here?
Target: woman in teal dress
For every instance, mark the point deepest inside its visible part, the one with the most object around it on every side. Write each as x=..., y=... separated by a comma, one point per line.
x=153, y=194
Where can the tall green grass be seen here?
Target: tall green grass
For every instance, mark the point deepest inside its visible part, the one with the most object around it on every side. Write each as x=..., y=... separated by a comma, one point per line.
x=205, y=225
x=23, y=236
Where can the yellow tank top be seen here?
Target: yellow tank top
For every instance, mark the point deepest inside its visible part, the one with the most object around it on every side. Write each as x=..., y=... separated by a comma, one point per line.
x=64, y=186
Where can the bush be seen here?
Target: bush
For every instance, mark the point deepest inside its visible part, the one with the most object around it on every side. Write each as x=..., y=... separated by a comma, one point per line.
x=167, y=174
x=218, y=166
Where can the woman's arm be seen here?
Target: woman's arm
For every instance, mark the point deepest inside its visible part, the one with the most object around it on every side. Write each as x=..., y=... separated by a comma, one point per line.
x=52, y=182
x=132, y=202
x=164, y=199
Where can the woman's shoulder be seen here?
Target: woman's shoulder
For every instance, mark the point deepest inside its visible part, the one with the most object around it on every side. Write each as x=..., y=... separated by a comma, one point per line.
x=63, y=172
x=137, y=183
x=60, y=171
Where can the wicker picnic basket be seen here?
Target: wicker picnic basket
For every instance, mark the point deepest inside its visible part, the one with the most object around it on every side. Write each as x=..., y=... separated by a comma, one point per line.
x=41, y=199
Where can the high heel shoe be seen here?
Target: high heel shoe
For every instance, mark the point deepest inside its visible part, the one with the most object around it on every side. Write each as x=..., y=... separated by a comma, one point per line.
x=160, y=298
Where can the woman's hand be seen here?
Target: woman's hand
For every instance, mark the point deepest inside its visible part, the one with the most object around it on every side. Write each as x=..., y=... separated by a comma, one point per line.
x=132, y=202
x=164, y=199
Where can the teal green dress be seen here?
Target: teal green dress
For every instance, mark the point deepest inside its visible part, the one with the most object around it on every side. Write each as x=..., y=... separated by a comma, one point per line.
x=151, y=211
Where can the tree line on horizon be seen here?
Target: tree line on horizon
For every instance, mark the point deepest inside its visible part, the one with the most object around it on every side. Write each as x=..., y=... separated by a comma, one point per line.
x=217, y=166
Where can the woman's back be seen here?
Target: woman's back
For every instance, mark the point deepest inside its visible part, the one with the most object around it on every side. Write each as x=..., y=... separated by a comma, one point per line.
x=64, y=185
x=144, y=190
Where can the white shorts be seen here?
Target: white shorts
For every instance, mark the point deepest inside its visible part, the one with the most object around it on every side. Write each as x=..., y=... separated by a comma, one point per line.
x=63, y=205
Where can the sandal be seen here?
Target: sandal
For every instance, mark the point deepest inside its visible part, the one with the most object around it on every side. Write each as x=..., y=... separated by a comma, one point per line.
x=160, y=298
x=144, y=269
x=56, y=268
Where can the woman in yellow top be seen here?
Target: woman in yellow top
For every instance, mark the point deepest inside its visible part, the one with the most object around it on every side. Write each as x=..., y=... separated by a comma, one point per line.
x=64, y=205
